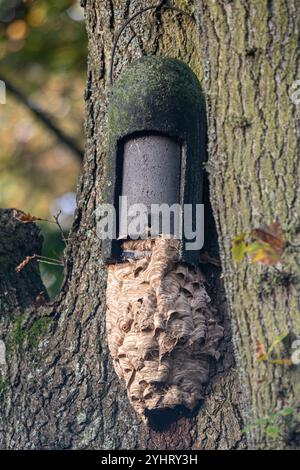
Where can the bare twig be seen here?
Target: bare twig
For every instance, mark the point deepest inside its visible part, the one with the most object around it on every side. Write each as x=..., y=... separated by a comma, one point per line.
x=49, y=262
x=42, y=115
x=40, y=259
x=56, y=218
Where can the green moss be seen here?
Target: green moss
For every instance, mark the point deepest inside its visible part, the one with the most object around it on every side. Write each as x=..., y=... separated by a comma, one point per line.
x=32, y=335
x=240, y=121
x=3, y=386
x=150, y=77
x=37, y=330
x=18, y=333
x=157, y=94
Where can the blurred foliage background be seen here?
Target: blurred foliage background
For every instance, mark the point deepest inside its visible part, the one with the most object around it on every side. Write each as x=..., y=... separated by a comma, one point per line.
x=43, y=58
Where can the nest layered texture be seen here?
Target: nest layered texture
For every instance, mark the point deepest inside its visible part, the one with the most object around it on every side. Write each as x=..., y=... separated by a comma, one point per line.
x=161, y=331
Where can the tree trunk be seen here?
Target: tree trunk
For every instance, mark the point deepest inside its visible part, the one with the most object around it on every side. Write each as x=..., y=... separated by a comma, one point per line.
x=252, y=60
x=58, y=388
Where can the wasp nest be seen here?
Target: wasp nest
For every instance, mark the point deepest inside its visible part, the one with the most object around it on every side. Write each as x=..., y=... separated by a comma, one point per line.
x=161, y=331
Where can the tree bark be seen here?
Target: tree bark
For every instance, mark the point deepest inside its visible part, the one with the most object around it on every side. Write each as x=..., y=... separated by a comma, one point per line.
x=252, y=60
x=58, y=389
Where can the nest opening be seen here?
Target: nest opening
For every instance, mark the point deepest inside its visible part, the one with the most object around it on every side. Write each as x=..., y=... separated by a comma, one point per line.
x=160, y=419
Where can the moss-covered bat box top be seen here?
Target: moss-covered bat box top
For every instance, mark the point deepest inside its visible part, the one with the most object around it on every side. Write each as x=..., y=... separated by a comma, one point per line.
x=160, y=96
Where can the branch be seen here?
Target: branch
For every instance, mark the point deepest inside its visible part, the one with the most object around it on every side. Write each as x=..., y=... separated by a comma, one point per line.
x=44, y=118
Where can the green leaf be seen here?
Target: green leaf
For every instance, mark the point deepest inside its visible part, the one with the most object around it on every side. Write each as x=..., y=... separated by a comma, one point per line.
x=276, y=341
x=257, y=422
x=238, y=248
x=262, y=421
x=286, y=412
x=263, y=253
x=272, y=431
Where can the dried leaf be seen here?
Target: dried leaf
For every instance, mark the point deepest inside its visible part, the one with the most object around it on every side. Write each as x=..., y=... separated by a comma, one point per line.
x=24, y=263
x=26, y=218
x=266, y=245
x=238, y=248
x=261, y=353
x=272, y=235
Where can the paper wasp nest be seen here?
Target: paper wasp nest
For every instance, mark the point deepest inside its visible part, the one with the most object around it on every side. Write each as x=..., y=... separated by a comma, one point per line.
x=161, y=331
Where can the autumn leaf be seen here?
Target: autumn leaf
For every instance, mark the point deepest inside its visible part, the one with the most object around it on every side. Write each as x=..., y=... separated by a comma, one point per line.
x=238, y=248
x=262, y=253
x=272, y=235
x=41, y=259
x=261, y=353
x=26, y=218
x=264, y=245
x=25, y=262
x=23, y=217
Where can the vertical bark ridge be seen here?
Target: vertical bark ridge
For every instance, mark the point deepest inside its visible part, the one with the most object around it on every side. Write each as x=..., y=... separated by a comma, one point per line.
x=253, y=58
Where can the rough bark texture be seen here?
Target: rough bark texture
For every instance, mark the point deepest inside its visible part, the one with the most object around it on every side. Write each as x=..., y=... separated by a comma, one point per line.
x=251, y=61
x=58, y=386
